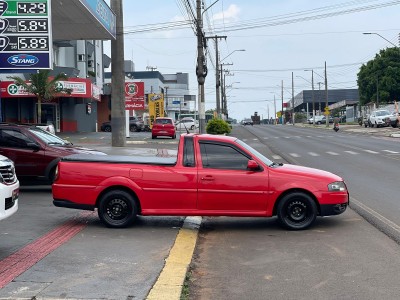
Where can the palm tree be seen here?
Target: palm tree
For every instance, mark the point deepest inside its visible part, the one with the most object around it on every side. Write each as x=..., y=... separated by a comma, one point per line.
x=43, y=86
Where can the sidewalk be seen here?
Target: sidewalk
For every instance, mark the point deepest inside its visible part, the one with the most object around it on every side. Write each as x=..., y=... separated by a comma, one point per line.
x=383, y=131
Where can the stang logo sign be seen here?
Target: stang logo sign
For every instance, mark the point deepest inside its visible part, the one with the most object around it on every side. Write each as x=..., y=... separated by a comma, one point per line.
x=22, y=60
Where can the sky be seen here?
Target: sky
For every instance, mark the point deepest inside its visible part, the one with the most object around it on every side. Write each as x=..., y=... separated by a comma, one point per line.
x=280, y=37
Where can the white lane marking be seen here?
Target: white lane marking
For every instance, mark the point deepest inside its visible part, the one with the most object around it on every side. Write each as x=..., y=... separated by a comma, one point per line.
x=372, y=152
x=351, y=152
x=83, y=138
x=390, y=151
x=276, y=157
x=294, y=154
x=265, y=138
x=102, y=137
x=287, y=137
x=255, y=139
x=276, y=137
x=313, y=154
x=332, y=153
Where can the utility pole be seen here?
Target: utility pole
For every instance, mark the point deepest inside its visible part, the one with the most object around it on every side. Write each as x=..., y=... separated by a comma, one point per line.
x=326, y=97
x=201, y=68
x=217, y=76
x=118, y=118
x=293, y=121
x=274, y=110
x=283, y=116
x=319, y=97
x=223, y=90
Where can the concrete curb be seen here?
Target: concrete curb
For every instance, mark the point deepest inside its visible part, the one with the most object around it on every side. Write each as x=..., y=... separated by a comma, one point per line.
x=170, y=282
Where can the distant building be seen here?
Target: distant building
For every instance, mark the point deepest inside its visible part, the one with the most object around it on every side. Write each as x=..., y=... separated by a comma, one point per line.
x=347, y=99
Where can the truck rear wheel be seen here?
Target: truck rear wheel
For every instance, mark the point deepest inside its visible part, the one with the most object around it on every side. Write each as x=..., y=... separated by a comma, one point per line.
x=117, y=209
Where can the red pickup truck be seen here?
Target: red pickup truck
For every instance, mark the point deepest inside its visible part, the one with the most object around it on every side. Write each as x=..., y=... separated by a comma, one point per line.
x=211, y=175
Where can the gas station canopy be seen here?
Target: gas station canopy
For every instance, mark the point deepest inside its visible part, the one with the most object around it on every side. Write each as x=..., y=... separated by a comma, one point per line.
x=82, y=20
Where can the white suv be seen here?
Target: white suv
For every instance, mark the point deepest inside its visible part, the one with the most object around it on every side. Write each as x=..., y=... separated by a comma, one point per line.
x=318, y=120
x=187, y=123
x=379, y=118
x=9, y=188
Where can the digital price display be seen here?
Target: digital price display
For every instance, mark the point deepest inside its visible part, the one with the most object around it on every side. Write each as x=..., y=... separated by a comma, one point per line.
x=33, y=25
x=25, y=34
x=31, y=8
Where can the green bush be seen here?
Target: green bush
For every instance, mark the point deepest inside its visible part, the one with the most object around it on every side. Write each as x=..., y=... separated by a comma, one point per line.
x=218, y=126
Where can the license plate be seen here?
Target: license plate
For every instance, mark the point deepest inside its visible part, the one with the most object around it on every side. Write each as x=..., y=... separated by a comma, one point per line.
x=15, y=194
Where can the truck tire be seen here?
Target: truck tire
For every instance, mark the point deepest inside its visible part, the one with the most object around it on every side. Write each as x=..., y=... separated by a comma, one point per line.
x=297, y=211
x=117, y=209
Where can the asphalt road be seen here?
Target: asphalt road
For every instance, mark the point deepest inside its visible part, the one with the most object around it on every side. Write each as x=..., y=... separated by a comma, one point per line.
x=342, y=257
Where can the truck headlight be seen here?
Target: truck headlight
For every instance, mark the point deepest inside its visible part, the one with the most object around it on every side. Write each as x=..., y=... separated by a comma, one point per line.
x=338, y=186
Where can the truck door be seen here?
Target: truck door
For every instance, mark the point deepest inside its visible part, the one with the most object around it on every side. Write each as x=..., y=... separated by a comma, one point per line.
x=225, y=184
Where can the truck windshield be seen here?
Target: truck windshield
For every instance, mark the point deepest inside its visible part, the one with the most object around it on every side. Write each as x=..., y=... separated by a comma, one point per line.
x=255, y=153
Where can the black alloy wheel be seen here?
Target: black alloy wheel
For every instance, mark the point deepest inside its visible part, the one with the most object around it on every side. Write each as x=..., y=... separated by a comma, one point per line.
x=297, y=211
x=133, y=128
x=107, y=128
x=117, y=209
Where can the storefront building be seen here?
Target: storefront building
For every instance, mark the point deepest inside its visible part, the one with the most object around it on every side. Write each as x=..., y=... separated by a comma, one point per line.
x=79, y=29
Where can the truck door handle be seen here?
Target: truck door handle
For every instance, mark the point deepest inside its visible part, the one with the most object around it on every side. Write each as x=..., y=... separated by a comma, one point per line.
x=207, y=178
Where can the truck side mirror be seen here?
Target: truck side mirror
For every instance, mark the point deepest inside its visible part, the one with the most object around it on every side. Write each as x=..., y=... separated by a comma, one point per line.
x=252, y=165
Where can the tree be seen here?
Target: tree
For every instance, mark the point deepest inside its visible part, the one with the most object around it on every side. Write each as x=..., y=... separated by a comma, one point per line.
x=379, y=79
x=43, y=86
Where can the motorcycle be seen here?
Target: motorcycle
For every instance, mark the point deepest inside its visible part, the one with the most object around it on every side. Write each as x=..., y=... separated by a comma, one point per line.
x=336, y=127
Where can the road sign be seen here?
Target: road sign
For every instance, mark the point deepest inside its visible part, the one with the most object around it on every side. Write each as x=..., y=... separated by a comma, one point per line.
x=25, y=34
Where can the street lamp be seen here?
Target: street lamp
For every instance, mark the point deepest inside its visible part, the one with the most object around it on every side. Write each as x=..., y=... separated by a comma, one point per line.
x=220, y=81
x=312, y=94
x=232, y=53
x=381, y=37
x=224, y=99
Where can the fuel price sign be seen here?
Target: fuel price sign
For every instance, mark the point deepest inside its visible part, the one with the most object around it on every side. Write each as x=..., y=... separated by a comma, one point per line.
x=25, y=34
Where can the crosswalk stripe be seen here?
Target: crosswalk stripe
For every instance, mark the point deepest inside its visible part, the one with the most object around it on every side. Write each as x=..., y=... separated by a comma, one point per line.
x=351, y=152
x=390, y=151
x=276, y=157
x=372, y=152
x=294, y=154
x=313, y=154
x=332, y=153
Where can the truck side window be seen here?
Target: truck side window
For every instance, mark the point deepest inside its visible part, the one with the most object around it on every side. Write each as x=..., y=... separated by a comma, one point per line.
x=188, y=152
x=217, y=156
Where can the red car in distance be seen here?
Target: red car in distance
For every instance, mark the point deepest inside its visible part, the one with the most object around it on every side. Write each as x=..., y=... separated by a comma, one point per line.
x=163, y=127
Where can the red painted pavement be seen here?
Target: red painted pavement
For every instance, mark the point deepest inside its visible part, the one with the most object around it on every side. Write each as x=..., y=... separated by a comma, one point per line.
x=20, y=261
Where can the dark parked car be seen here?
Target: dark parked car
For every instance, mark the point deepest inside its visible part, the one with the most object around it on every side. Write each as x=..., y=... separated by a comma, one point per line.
x=135, y=125
x=35, y=152
x=248, y=122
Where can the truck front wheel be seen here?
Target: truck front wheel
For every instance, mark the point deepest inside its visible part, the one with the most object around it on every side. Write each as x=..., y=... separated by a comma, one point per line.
x=117, y=209
x=297, y=211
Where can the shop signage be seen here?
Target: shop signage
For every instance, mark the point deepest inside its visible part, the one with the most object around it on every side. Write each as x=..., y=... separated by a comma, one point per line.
x=25, y=34
x=81, y=88
x=134, y=95
x=156, y=107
